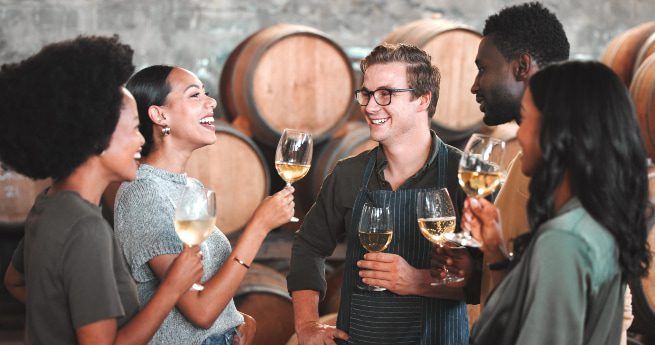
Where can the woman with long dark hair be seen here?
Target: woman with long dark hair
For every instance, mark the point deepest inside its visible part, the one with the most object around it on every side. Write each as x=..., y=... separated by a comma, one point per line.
x=588, y=208
x=66, y=115
x=177, y=117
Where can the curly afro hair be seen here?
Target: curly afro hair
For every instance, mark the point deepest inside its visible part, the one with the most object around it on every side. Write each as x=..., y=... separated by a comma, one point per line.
x=61, y=106
x=528, y=28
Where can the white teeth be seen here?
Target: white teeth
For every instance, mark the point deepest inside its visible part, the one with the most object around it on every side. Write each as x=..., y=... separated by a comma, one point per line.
x=207, y=120
x=379, y=121
x=137, y=155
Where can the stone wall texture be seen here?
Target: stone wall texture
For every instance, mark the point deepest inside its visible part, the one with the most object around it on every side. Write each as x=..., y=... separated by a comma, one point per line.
x=199, y=35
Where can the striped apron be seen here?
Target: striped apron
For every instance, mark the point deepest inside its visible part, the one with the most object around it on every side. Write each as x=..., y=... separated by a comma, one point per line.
x=381, y=318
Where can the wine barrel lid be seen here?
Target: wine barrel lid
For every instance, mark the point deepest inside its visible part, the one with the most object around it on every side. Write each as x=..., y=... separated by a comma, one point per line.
x=288, y=76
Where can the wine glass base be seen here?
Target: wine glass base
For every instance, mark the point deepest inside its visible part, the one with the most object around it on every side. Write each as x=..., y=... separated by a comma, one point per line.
x=196, y=287
x=447, y=280
x=370, y=287
x=463, y=239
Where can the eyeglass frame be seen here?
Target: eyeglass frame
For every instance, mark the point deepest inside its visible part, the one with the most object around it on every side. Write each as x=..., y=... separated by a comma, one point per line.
x=369, y=93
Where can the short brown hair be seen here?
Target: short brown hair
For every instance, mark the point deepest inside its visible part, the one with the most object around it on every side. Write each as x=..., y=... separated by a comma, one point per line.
x=422, y=76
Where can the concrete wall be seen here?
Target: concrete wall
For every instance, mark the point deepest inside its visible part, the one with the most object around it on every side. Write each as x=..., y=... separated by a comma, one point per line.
x=199, y=34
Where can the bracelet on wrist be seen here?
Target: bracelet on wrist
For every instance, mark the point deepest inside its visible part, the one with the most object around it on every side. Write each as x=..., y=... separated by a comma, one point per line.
x=241, y=262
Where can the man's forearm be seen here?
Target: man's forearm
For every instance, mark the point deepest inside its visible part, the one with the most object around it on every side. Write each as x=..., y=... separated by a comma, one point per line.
x=305, y=306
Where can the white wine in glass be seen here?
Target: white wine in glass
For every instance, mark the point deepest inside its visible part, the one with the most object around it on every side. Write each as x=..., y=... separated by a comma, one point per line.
x=293, y=156
x=375, y=232
x=436, y=219
x=195, y=216
x=479, y=174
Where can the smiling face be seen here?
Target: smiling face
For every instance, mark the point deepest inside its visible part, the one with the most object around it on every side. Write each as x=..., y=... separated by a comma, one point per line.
x=496, y=87
x=404, y=114
x=529, y=135
x=188, y=111
x=120, y=157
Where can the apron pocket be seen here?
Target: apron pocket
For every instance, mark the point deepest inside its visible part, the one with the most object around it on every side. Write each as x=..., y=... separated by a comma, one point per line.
x=385, y=320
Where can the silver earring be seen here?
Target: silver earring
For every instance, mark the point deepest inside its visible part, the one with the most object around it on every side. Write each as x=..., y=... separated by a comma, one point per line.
x=166, y=131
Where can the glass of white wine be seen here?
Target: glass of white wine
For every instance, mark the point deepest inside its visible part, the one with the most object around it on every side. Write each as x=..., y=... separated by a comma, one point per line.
x=436, y=219
x=293, y=156
x=480, y=173
x=375, y=233
x=195, y=216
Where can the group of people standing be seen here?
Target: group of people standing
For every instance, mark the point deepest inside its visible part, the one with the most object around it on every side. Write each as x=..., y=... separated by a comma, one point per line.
x=576, y=199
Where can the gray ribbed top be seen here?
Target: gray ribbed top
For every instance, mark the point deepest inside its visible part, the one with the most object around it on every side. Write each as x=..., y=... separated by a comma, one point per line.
x=144, y=227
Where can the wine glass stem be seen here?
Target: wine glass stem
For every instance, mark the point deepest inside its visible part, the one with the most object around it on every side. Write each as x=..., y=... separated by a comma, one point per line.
x=293, y=219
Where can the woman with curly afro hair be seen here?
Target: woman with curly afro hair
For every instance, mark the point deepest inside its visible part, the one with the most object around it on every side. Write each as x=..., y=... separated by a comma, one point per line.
x=66, y=115
x=588, y=210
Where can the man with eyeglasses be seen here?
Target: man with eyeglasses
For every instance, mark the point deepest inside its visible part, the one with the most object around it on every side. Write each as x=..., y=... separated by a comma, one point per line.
x=398, y=97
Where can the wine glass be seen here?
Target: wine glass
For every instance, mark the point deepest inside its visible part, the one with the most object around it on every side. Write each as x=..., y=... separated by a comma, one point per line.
x=436, y=218
x=375, y=232
x=195, y=216
x=293, y=156
x=480, y=173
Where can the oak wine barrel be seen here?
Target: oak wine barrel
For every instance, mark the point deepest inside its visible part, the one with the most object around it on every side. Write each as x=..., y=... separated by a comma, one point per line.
x=621, y=53
x=642, y=91
x=235, y=169
x=288, y=76
x=17, y=195
x=453, y=48
x=263, y=295
x=647, y=49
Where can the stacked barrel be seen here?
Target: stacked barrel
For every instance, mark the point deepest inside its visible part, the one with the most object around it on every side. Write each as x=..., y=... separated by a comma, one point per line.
x=631, y=56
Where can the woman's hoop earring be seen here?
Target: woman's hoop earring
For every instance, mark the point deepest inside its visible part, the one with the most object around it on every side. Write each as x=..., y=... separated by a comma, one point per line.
x=166, y=131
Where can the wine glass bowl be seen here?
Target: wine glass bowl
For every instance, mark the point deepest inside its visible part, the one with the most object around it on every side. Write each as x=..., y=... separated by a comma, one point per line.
x=375, y=231
x=480, y=174
x=436, y=218
x=293, y=156
x=195, y=216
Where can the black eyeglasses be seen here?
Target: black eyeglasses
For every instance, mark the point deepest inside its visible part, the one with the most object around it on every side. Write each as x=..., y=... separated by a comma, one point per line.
x=382, y=96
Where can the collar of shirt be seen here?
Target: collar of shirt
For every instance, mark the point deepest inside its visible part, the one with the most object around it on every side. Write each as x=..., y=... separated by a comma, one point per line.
x=381, y=162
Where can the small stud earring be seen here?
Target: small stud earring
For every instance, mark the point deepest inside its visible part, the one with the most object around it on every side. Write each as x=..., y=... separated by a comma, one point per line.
x=166, y=130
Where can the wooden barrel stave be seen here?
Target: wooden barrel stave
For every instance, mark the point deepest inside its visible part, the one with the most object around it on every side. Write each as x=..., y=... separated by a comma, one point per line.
x=263, y=295
x=275, y=87
x=642, y=91
x=236, y=170
x=647, y=49
x=621, y=52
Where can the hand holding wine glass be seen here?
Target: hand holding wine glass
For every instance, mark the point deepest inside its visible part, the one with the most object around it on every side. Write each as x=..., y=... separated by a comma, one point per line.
x=480, y=173
x=375, y=232
x=436, y=218
x=195, y=216
x=293, y=156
